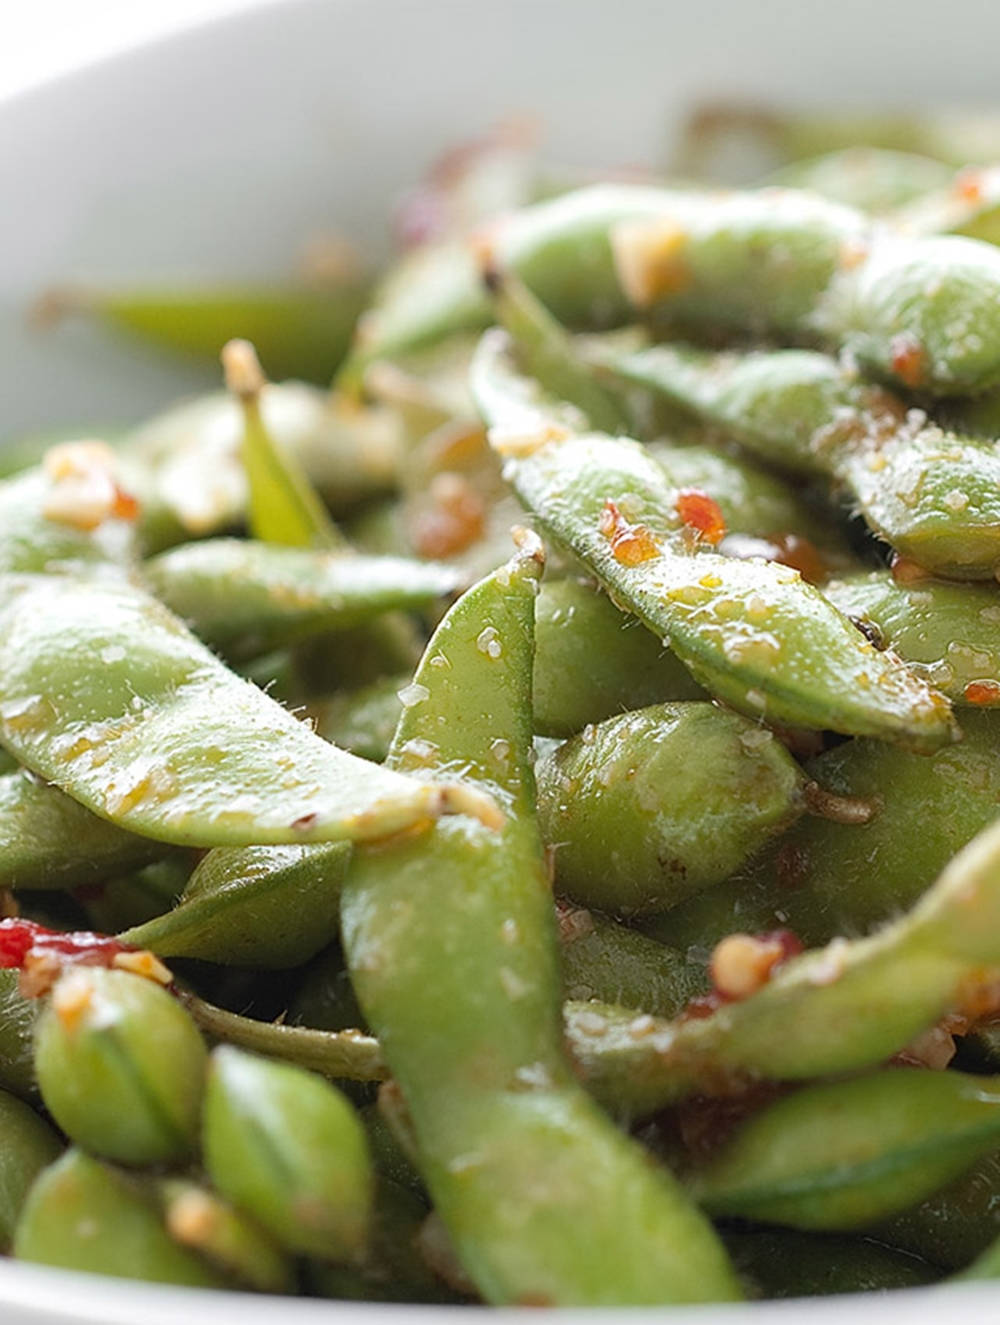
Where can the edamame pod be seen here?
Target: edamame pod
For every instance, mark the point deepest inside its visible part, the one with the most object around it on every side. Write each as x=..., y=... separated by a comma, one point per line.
x=84, y=1215
x=246, y=596
x=752, y=632
x=607, y=961
x=837, y=1009
x=301, y=331
x=48, y=840
x=842, y=1155
x=648, y=808
x=950, y=633
x=288, y=1148
x=592, y=661
x=265, y=907
x=104, y=692
x=783, y=1263
x=825, y=878
x=918, y=311
x=120, y=1066
x=872, y=179
x=512, y=1150
x=931, y=493
x=17, y=1022
x=954, y=1225
x=29, y=1144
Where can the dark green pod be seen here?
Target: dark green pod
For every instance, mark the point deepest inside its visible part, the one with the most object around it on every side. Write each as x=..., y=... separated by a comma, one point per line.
x=17, y=1022
x=954, y=1225
x=28, y=1144
x=648, y=808
x=120, y=1066
x=614, y=964
x=83, y=1215
x=781, y=1263
x=48, y=840
x=841, y=1156
x=267, y=907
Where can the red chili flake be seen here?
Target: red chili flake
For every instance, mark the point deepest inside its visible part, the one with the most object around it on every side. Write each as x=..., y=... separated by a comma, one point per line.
x=802, y=555
x=696, y=1009
x=702, y=513
x=304, y=822
x=981, y=692
x=124, y=505
x=705, y=1122
x=968, y=184
x=907, y=359
x=24, y=941
x=454, y=520
x=630, y=543
x=907, y=571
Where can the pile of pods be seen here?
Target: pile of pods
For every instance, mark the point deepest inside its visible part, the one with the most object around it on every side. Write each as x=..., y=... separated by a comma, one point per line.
x=523, y=826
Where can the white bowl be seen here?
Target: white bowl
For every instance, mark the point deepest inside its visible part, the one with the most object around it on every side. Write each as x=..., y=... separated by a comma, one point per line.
x=217, y=151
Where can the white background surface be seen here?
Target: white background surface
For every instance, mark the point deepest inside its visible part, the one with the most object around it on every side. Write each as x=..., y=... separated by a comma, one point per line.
x=46, y=37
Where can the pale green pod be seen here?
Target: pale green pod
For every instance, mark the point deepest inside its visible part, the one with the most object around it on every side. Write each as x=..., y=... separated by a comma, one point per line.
x=84, y=1215
x=646, y=809
x=120, y=1066
x=288, y=1148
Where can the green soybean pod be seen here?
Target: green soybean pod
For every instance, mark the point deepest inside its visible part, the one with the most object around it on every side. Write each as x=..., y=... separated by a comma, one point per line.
x=245, y=597
x=29, y=1144
x=646, y=809
x=593, y=661
x=825, y=878
x=120, y=1066
x=83, y=1215
x=842, y=1155
x=948, y=632
x=781, y=1262
x=612, y=963
x=17, y=1021
x=266, y=907
x=302, y=331
x=48, y=840
x=753, y=632
x=511, y=1148
x=288, y=1148
x=953, y=1225
x=105, y=692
